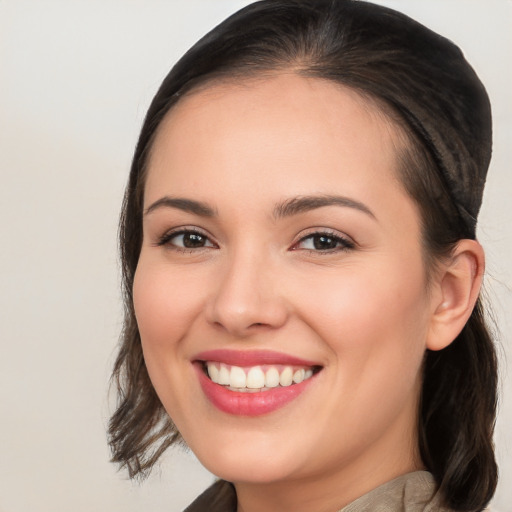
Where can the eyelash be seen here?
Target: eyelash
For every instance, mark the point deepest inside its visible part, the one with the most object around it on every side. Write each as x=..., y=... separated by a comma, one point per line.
x=341, y=243
x=167, y=238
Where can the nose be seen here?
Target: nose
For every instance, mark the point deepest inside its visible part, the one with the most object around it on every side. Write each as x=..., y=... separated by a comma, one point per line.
x=248, y=297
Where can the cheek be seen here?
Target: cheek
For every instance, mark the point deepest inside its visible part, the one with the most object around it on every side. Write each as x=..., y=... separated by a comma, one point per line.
x=373, y=321
x=166, y=304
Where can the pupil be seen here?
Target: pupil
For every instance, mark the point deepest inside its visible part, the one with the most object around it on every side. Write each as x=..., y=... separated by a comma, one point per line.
x=324, y=242
x=191, y=240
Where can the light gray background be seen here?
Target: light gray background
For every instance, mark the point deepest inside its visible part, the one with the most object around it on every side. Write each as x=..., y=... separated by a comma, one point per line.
x=76, y=77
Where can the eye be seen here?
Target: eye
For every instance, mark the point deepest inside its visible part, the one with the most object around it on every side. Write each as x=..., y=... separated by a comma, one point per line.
x=186, y=239
x=323, y=242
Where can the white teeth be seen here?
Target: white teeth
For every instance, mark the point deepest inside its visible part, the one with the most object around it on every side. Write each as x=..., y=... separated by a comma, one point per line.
x=298, y=376
x=224, y=376
x=255, y=378
x=213, y=372
x=272, y=378
x=286, y=377
x=237, y=377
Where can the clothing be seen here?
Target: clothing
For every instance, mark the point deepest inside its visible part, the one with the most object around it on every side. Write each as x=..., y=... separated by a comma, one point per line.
x=414, y=492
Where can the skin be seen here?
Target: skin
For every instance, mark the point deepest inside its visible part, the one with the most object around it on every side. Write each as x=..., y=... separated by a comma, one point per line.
x=362, y=311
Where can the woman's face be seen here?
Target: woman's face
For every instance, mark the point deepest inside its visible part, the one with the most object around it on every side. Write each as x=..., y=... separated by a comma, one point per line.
x=279, y=245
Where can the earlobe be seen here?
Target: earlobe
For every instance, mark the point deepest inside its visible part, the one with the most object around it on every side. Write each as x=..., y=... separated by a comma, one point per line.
x=459, y=284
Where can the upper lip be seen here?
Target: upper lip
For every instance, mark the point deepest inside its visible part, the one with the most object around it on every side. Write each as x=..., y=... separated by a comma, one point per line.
x=251, y=358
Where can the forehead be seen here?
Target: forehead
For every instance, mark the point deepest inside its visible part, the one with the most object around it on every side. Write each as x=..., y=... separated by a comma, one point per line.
x=287, y=118
x=289, y=95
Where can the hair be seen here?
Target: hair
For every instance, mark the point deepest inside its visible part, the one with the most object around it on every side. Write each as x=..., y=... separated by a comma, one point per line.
x=424, y=86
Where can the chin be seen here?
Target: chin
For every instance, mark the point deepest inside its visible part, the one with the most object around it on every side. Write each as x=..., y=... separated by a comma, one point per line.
x=248, y=458
x=262, y=471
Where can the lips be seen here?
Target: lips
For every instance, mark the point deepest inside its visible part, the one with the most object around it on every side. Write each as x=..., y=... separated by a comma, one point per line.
x=251, y=383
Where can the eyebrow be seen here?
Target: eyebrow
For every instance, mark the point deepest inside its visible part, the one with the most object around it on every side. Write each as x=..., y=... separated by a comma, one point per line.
x=287, y=208
x=180, y=203
x=302, y=204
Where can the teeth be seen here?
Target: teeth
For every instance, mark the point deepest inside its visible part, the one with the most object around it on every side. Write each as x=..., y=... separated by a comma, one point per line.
x=286, y=377
x=238, y=379
x=213, y=372
x=224, y=377
x=272, y=378
x=256, y=378
x=299, y=375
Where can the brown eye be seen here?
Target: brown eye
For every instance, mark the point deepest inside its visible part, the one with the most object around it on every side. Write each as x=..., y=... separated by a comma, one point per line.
x=193, y=240
x=186, y=240
x=324, y=242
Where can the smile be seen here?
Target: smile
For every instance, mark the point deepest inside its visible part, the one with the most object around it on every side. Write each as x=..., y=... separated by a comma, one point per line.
x=252, y=383
x=256, y=378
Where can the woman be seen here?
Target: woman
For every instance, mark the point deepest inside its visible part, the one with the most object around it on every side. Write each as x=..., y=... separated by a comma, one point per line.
x=301, y=270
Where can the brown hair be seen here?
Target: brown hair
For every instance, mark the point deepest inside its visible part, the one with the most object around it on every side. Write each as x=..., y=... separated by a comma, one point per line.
x=436, y=98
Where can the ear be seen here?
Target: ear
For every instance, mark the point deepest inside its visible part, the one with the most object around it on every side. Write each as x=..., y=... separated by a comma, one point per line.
x=457, y=287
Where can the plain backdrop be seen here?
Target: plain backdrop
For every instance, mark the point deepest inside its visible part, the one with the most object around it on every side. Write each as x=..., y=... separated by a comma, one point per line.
x=76, y=77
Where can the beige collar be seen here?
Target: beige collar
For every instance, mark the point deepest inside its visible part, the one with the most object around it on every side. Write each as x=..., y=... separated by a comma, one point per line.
x=414, y=492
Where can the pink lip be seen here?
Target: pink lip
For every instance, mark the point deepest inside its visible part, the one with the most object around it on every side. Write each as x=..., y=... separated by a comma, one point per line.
x=251, y=358
x=249, y=404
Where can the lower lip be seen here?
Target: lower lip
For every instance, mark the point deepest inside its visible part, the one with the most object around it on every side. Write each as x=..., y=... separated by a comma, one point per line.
x=249, y=404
